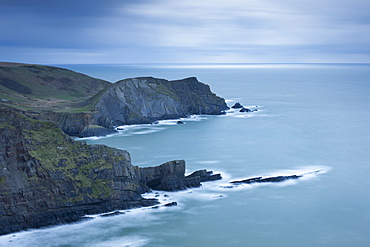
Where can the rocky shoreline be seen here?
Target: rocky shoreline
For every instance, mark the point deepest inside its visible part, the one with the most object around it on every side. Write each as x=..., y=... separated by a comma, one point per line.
x=47, y=178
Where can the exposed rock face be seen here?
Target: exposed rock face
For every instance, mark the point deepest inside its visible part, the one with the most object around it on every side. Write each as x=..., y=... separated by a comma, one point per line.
x=146, y=99
x=47, y=178
x=205, y=175
x=170, y=176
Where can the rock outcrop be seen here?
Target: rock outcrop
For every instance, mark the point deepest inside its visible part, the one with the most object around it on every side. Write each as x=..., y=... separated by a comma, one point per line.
x=275, y=179
x=170, y=176
x=237, y=105
x=47, y=178
x=147, y=99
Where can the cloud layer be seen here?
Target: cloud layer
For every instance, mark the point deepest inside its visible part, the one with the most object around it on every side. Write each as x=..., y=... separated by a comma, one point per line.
x=166, y=31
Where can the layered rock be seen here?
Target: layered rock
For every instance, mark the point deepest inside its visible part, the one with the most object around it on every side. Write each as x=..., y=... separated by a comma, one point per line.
x=146, y=99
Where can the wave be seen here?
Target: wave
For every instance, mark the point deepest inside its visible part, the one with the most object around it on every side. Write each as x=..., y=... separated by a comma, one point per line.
x=97, y=232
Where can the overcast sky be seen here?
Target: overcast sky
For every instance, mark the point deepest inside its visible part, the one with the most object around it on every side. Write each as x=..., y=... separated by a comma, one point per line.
x=191, y=31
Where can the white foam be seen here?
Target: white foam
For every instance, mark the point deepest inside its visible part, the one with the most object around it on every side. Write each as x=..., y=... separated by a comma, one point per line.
x=181, y=197
x=160, y=125
x=98, y=232
x=93, y=137
x=129, y=241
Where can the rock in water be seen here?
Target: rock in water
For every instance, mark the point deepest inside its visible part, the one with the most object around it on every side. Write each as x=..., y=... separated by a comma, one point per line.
x=205, y=175
x=237, y=105
x=245, y=110
x=266, y=180
x=171, y=204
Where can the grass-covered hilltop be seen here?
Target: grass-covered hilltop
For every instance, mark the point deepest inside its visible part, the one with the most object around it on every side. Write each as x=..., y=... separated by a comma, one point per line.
x=48, y=178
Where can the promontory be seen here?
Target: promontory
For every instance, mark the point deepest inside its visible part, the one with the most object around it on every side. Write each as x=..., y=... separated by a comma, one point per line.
x=47, y=178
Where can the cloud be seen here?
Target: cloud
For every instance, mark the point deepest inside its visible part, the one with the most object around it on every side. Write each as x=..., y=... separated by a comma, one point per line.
x=175, y=31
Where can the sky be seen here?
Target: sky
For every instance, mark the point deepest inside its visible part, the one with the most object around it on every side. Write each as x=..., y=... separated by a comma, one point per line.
x=191, y=31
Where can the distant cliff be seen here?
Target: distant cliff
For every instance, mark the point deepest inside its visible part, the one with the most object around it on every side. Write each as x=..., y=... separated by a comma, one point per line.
x=84, y=106
x=46, y=178
x=146, y=99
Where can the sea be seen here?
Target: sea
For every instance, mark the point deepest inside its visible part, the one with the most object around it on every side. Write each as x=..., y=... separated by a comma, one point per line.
x=310, y=119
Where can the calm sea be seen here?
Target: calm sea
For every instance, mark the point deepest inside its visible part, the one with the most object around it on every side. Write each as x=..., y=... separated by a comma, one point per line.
x=310, y=117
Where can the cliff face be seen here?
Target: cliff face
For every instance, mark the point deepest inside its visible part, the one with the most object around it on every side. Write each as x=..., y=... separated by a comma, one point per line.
x=146, y=99
x=47, y=178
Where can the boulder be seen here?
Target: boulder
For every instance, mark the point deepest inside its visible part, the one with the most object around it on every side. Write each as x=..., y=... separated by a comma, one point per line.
x=205, y=175
x=245, y=110
x=237, y=105
x=171, y=204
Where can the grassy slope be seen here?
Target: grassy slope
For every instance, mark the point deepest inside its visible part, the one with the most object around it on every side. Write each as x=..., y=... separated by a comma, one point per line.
x=45, y=87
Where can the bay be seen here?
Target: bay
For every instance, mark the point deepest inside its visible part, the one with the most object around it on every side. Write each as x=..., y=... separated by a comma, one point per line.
x=309, y=117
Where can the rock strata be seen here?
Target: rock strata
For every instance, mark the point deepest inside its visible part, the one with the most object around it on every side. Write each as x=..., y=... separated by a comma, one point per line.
x=205, y=175
x=147, y=99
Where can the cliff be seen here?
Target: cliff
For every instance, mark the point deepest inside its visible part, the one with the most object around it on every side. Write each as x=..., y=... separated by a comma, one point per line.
x=46, y=178
x=147, y=99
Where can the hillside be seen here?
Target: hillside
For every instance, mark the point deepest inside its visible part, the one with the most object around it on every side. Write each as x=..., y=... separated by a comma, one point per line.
x=40, y=87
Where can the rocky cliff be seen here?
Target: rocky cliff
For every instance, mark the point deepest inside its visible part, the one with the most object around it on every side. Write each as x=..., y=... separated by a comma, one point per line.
x=47, y=178
x=146, y=99
x=137, y=101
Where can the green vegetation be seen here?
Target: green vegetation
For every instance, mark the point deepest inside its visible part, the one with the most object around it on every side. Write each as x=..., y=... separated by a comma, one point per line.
x=74, y=161
x=46, y=87
x=163, y=88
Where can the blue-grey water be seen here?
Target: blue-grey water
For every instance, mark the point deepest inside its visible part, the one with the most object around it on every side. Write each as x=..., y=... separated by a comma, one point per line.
x=310, y=117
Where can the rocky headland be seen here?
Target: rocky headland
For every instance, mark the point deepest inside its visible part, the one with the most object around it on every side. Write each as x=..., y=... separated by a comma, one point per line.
x=47, y=178
x=84, y=106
